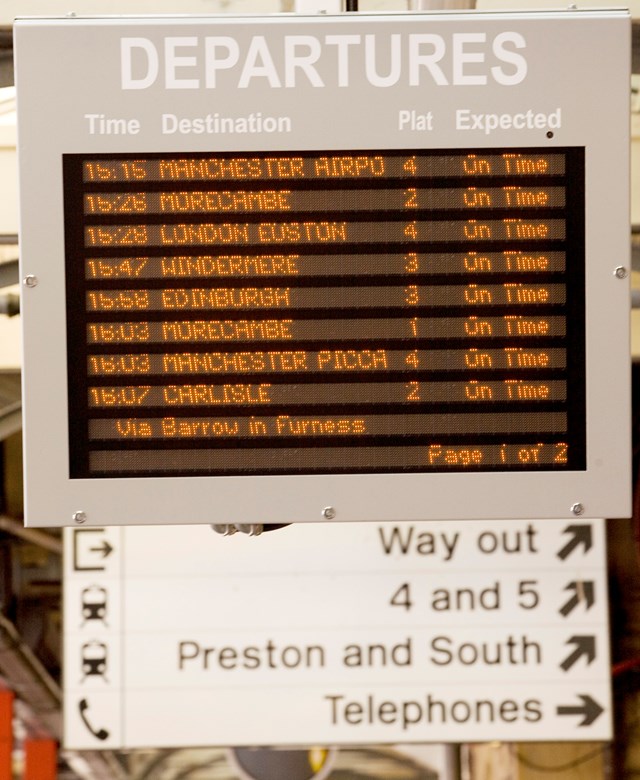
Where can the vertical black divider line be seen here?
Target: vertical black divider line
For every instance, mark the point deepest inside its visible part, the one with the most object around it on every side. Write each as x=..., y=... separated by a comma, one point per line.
x=76, y=316
x=576, y=309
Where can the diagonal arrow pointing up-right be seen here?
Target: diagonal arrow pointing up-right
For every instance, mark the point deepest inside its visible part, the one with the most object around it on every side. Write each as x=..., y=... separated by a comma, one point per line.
x=584, y=645
x=581, y=534
x=583, y=590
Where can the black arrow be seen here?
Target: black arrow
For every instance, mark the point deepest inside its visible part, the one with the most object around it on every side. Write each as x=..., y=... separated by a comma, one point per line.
x=584, y=590
x=581, y=535
x=105, y=548
x=585, y=645
x=589, y=708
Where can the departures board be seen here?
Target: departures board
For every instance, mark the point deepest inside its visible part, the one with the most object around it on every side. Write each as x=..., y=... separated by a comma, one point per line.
x=353, y=267
x=336, y=312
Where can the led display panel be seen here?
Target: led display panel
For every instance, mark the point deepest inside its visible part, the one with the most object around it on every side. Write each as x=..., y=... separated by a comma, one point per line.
x=353, y=267
x=325, y=312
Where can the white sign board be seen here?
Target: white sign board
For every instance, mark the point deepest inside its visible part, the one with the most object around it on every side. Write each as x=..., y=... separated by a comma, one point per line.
x=422, y=632
x=289, y=268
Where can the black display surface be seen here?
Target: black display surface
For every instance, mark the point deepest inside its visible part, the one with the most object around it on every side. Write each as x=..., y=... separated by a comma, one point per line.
x=325, y=312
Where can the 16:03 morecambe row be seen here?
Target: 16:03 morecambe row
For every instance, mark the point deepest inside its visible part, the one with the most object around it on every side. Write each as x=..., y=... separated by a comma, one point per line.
x=315, y=312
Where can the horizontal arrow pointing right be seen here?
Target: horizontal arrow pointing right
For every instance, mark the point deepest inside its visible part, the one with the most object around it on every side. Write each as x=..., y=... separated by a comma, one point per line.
x=105, y=548
x=589, y=709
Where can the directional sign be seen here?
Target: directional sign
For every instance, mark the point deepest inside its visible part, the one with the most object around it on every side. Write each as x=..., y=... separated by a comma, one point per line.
x=316, y=634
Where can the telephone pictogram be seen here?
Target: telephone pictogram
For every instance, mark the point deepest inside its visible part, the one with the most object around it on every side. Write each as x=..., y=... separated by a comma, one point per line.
x=100, y=734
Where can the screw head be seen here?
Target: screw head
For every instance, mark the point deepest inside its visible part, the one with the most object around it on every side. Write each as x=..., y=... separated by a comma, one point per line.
x=80, y=517
x=30, y=280
x=578, y=509
x=621, y=272
x=328, y=513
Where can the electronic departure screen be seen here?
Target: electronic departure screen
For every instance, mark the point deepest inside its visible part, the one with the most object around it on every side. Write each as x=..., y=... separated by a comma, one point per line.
x=325, y=312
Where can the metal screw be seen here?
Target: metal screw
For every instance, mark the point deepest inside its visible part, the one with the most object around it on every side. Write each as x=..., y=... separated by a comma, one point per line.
x=80, y=517
x=30, y=281
x=328, y=513
x=577, y=509
x=621, y=272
